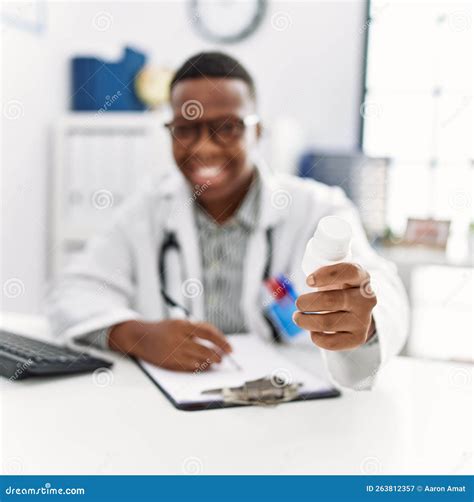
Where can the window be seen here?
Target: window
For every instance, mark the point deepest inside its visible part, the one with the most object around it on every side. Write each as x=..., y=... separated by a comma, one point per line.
x=418, y=109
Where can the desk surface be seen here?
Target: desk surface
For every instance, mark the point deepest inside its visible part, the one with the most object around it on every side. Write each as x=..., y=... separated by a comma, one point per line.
x=418, y=420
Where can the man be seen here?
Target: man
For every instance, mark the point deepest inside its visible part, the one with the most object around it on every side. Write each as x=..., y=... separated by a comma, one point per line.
x=226, y=220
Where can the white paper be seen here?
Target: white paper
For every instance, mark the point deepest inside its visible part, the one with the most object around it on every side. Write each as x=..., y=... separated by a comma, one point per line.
x=256, y=358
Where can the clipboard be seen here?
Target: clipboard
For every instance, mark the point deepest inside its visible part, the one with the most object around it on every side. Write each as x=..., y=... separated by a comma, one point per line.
x=258, y=359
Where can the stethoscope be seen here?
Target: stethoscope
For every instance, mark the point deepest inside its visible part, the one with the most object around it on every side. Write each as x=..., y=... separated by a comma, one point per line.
x=170, y=243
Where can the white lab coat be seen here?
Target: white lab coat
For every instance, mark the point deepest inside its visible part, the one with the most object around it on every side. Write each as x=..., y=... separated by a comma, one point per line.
x=116, y=278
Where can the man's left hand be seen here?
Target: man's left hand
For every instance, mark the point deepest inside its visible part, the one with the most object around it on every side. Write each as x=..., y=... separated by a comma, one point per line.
x=344, y=301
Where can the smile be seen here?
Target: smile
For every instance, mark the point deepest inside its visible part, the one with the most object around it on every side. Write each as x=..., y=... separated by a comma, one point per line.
x=207, y=171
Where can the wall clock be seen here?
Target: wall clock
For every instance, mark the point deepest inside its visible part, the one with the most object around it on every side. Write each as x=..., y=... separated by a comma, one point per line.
x=226, y=21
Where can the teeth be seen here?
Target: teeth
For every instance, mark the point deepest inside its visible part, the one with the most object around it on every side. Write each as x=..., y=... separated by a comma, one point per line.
x=209, y=172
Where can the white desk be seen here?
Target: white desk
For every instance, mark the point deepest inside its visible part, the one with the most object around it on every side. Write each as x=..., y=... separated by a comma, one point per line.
x=418, y=420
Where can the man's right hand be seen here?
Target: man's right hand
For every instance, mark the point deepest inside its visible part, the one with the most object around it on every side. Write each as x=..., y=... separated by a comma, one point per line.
x=173, y=344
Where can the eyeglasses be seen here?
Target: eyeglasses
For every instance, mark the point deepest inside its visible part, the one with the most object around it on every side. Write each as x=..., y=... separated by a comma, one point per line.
x=223, y=131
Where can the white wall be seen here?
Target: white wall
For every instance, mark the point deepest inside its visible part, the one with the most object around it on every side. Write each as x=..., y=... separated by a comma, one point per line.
x=310, y=71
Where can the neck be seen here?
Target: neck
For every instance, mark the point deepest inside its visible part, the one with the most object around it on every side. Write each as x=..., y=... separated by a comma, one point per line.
x=223, y=209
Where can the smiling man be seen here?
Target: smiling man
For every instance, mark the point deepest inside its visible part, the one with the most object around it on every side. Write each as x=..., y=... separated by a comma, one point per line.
x=203, y=238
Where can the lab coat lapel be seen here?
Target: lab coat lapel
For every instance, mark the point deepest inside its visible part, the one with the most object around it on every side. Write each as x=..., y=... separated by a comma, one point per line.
x=257, y=251
x=181, y=222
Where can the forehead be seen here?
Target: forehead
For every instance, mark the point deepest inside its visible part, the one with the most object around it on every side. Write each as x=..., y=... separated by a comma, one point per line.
x=216, y=95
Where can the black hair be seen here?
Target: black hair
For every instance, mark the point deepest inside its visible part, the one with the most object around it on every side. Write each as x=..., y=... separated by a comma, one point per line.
x=213, y=64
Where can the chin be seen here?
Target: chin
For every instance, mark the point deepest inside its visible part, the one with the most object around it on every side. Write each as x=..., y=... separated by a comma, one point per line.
x=214, y=193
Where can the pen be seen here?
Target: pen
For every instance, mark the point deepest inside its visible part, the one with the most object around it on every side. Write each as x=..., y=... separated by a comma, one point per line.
x=181, y=310
x=229, y=357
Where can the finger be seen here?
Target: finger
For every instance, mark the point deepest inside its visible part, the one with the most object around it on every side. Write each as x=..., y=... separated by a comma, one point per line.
x=336, y=321
x=202, y=353
x=324, y=301
x=338, y=276
x=337, y=341
x=190, y=365
x=189, y=360
x=357, y=300
x=179, y=363
x=196, y=364
x=209, y=332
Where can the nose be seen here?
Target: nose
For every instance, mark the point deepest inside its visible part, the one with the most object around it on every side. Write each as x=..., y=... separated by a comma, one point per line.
x=204, y=144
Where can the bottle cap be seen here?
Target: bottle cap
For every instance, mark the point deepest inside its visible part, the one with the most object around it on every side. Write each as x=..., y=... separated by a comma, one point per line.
x=332, y=238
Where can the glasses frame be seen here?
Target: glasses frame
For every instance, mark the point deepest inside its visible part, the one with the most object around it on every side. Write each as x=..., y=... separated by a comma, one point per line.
x=247, y=121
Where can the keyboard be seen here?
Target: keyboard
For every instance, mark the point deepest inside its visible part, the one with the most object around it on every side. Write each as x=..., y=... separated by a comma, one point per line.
x=22, y=357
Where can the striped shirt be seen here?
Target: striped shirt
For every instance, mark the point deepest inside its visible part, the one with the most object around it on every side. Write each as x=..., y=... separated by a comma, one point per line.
x=223, y=250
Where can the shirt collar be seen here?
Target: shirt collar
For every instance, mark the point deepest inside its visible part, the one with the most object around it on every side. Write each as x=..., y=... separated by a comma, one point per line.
x=249, y=210
x=246, y=215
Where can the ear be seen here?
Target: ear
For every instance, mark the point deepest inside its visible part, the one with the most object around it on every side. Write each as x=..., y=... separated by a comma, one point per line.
x=259, y=130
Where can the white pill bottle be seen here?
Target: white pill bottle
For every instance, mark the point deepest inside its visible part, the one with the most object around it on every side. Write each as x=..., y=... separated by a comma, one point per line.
x=330, y=244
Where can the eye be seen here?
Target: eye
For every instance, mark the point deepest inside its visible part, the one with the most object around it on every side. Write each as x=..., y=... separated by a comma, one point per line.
x=228, y=128
x=183, y=130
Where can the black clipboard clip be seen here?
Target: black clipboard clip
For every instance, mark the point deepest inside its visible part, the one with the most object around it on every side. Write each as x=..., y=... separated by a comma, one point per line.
x=261, y=392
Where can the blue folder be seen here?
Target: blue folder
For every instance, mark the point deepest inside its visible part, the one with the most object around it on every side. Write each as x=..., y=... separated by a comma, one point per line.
x=99, y=85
